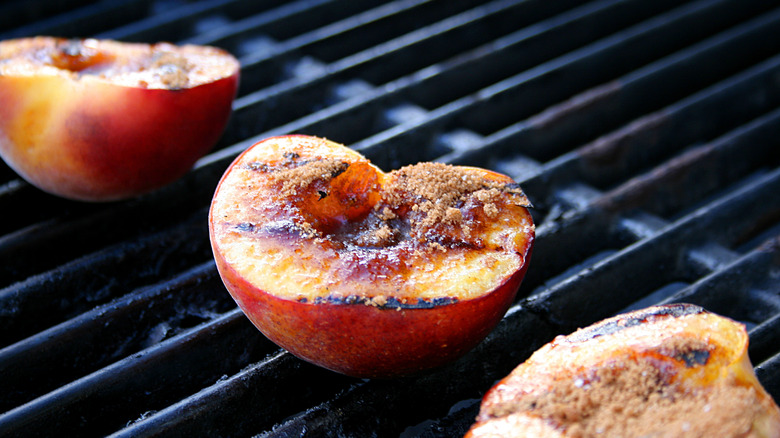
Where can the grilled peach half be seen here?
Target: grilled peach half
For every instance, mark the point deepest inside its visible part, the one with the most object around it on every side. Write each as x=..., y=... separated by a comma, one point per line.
x=664, y=371
x=367, y=273
x=100, y=120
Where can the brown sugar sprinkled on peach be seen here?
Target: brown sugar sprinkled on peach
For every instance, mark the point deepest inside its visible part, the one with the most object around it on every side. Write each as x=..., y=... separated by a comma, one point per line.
x=673, y=370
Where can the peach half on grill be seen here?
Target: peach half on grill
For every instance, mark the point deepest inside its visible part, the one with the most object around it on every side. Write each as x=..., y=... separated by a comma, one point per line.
x=101, y=120
x=367, y=273
x=664, y=371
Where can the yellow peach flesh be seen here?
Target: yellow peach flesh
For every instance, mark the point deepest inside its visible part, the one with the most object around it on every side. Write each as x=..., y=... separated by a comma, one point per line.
x=103, y=120
x=308, y=268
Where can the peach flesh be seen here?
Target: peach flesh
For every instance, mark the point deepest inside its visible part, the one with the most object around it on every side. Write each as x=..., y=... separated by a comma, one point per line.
x=651, y=371
x=363, y=311
x=85, y=120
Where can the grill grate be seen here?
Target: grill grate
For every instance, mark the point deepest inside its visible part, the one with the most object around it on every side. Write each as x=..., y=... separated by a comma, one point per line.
x=645, y=133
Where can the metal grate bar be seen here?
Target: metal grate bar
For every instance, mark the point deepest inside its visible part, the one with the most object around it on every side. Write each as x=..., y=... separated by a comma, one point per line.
x=84, y=21
x=187, y=21
x=96, y=278
x=570, y=74
x=245, y=395
x=20, y=12
x=110, y=397
x=290, y=100
x=618, y=154
x=136, y=321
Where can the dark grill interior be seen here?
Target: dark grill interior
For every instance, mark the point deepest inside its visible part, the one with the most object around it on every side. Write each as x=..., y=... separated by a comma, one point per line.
x=645, y=133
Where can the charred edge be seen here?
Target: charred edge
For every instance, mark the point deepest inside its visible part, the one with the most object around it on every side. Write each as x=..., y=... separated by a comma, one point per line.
x=694, y=357
x=450, y=242
x=257, y=166
x=341, y=169
x=292, y=163
x=389, y=303
x=619, y=323
x=516, y=190
x=245, y=227
x=284, y=228
x=71, y=47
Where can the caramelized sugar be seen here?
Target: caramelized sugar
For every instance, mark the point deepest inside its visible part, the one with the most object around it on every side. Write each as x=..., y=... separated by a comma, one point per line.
x=420, y=207
x=80, y=56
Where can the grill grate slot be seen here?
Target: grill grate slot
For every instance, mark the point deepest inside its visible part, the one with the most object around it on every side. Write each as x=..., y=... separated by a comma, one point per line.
x=547, y=83
x=643, y=132
x=79, y=285
x=85, y=20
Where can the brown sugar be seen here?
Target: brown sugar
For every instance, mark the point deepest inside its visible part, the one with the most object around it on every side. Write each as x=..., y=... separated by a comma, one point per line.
x=435, y=181
x=292, y=176
x=439, y=193
x=420, y=202
x=633, y=398
x=640, y=394
x=436, y=189
x=172, y=69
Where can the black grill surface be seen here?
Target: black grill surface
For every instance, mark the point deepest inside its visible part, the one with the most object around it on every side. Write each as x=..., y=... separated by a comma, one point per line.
x=644, y=132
